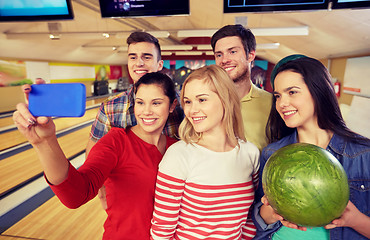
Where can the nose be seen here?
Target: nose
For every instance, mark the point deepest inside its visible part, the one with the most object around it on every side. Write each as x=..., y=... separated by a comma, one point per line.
x=282, y=102
x=147, y=109
x=139, y=62
x=194, y=108
x=225, y=58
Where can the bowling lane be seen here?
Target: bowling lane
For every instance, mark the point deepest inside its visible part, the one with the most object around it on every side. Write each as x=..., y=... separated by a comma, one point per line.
x=13, y=138
x=25, y=165
x=54, y=221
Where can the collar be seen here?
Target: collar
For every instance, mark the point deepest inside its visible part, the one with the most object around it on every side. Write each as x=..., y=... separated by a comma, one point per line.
x=253, y=93
x=131, y=95
x=337, y=144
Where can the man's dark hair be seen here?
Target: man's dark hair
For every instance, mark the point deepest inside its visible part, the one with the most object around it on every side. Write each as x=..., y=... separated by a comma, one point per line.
x=137, y=37
x=245, y=35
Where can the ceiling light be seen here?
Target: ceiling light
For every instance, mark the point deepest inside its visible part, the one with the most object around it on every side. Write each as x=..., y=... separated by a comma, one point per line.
x=159, y=34
x=268, y=46
x=54, y=36
x=101, y=47
x=188, y=53
x=284, y=31
x=166, y=53
x=204, y=47
x=176, y=47
x=105, y=35
x=260, y=52
x=279, y=31
x=196, y=33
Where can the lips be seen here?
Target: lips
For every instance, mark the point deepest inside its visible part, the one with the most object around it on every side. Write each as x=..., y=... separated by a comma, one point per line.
x=288, y=114
x=198, y=119
x=141, y=72
x=229, y=68
x=148, y=121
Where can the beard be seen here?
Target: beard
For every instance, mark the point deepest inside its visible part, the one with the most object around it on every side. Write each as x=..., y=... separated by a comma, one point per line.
x=244, y=76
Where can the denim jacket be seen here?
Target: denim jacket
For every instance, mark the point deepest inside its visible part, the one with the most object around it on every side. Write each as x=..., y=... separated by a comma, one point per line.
x=355, y=159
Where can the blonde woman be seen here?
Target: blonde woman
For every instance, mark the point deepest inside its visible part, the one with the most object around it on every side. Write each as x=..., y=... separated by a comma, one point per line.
x=206, y=181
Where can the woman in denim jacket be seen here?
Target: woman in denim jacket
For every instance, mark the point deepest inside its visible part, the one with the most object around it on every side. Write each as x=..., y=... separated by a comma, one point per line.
x=305, y=109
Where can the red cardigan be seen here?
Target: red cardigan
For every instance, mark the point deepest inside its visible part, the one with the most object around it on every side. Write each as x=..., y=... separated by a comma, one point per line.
x=128, y=167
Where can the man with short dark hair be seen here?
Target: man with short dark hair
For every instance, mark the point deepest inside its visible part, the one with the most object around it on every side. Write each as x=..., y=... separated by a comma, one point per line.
x=144, y=56
x=235, y=49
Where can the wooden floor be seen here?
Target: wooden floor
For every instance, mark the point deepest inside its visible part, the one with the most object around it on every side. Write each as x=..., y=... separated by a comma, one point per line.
x=13, y=138
x=52, y=220
x=24, y=165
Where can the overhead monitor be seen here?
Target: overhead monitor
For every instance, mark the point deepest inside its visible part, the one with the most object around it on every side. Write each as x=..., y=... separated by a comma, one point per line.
x=35, y=10
x=350, y=4
x=235, y=6
x=142, y=8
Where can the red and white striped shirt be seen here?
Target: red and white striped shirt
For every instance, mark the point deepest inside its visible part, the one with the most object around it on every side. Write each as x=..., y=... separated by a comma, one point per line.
x=202, y=194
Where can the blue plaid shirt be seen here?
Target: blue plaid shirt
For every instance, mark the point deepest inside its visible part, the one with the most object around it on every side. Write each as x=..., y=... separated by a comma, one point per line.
x=118, y=111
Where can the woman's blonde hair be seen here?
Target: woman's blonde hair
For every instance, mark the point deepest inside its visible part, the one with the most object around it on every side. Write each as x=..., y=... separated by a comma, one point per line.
x=223, y=86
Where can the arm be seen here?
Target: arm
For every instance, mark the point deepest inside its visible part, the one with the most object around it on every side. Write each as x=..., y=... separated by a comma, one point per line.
x=40, y=132
x=98, y=130
x=102, y=192
x=168, y=195
x=256, y=170
x=354, y=219
x=269, y=216
x=90, y=144
x=264, y=216
x=266, y=226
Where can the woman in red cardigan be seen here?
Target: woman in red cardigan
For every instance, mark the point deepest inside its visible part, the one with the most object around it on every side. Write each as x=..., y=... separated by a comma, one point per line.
x=125, y=160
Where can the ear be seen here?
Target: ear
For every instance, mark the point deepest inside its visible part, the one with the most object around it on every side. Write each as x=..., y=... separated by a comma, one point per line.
x=160, y=65
x=251, y=56
x=173, y=105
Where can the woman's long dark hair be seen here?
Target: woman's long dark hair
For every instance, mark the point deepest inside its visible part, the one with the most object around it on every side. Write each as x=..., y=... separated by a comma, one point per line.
x=160, y=79
x=318, y=81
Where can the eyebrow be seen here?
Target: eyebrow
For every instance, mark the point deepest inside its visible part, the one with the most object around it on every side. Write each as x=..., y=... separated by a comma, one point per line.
x=145, y=54
x=199, y=95
x=155, y=99
x=287, y=89
x=229, y=49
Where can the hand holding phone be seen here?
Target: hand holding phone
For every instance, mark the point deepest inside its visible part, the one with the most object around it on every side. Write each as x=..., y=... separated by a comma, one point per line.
x=57, y=100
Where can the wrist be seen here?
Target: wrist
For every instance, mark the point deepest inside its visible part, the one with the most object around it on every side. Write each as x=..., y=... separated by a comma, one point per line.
x=266, y=212
x=45, y=142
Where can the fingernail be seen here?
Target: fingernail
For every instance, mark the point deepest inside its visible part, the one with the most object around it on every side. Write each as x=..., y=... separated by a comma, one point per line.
x=31, y=121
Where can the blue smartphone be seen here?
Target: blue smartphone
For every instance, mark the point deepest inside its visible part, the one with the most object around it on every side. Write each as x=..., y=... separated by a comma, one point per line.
x=57, y=100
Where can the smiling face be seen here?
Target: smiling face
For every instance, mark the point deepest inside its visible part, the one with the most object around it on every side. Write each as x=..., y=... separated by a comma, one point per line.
x=294, y=101
x=202, y=107
x=142, y=59
x=152, y=108
x=230, y=55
